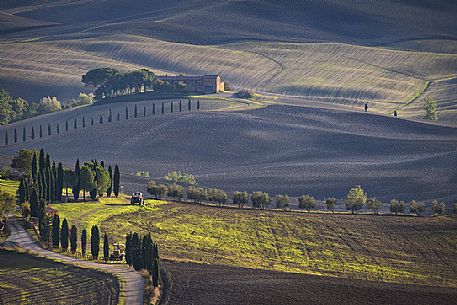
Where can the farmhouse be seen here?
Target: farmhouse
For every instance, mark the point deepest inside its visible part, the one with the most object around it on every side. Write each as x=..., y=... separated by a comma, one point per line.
x=196, y=83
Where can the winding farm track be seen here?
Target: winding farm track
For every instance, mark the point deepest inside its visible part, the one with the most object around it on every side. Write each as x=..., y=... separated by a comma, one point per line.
x=132, y=288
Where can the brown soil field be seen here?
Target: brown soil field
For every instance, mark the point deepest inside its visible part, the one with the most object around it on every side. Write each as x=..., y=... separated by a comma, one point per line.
x=200, y=284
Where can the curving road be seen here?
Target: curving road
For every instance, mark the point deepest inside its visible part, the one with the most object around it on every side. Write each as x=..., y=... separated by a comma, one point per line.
x=132, y=288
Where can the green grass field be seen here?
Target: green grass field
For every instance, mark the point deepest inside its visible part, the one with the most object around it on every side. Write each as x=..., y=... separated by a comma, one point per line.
x=26, y=279
x=390, y=249
x=9, y=186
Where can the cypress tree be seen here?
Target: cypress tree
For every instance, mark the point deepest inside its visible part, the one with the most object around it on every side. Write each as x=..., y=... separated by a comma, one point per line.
x=92, y=122
x=6, y=138
x=34, y=167
x=101, y=119
x=15, y=135
x=110, y=185
x=102, y=164
x=137, y=260
x=128, y=249
x=110, y=116
x=41, y=211
x=116, y=181
x=135, y=111
x=163, y=108
x=60, y=182
x=21, y=192
x=41, y=162
x=126, y=113
x=41, y=131
x=153, y=108
x=156, y=273
x=58, y=128
x=34, y=201
x=49, y=129
x=33, y=133
x=75, y=125
x=198, y=104
x=83, y=242
x=84, y=122
x=77, y=182
x=180, y=106
x=24, y=134
x=66, y=125
x=53, y=182
x=171, y=107
x=118, y=117
x=39, y=184
x=189, y=105
x=55, y=231
x=144, y=111
x=43, y=225
x=73, y=239
x=105, y=247
x=48, y=180
x=95, y=242
x=64, y=235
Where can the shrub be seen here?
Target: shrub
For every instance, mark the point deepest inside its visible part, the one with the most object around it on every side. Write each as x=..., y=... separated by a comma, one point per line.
x=246, y=94
x=306, y=202
x=430, y=109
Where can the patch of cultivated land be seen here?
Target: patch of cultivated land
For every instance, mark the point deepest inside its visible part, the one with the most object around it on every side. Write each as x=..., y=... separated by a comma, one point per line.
x=279, y=149
x=411, y=250
x=26, y=279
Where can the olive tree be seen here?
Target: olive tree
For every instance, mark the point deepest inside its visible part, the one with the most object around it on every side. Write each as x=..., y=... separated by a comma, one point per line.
x=240, y=198
x=306, y=202
x=397, y=206
x=416, y=208
x=282, y=201
x=260, y=199
x=355, y=199
x=374, y=205
x=438, y=208
x=330, y=203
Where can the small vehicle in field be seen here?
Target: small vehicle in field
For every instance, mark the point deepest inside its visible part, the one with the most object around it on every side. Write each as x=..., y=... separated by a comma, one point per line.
x=137, y=198
x=118, y=252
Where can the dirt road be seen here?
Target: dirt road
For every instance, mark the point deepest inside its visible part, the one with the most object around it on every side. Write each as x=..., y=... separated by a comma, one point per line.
x=133, y=282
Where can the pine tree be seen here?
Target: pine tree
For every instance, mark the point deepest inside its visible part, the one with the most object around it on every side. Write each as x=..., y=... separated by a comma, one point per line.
x=180, y=105
x=64, y=234
x=41, y=131
x=101, y=119
x=49, y=129
x=135, y=111
x=73, y=239
x=83, y=242
x=153, y=108
x=15, y=136
x=171, y=107
x=163, y=108
x=34, y=201
x=116, y=181
x=128, y=249
x=24, y=134
x=110, y=116
x=34, y=167
x=33, y=133
x=58, y=128
x=105, y=247
x=66, y=125
x=92, y=122
x=75, y=125
x=55, y=231
x=189, y=105
x=60, y=182
x=144, y=111
x=95, y=242
x=126, y=113
x=6, y=138
x=84, y=122
x=118, y=117
x=110, y=185
x=77, y=181
x=198, y=104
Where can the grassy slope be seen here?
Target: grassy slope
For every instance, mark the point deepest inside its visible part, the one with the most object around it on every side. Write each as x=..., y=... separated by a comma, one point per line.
x=27, y=279
x=9, y=186
x=341, y=246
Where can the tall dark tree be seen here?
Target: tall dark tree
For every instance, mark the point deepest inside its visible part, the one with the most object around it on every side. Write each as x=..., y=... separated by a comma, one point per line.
x=101, y=119
x=77, y=182
x=189, y=105
x=156, y=273
x=73, y=239
x=49, y=129
x=58, y=128
x=95, y=242
x=92, y=122
x=15, y=135
x=135, y=111
x=55, y=231
x=163, y=108
x=105, y=247
x=110, y=116
x=41, y=131
x=43, y=225
x=66, y=125
x=144, y=111
x=33, y=134
x=83, y=242
x=128, y=248
x=126, y=113
x=34, y=201
x=109, y=190
x=34, y=167
x=84, y=121
x=116, y=181
x=6, y=138
x=153, y=108
x=21, y=192
x=53, y=182
x=137, y=260
x=198, y=104
x=171, y=107
x=75, y=125
x=24, y=134
x=60, y=182
x=64, y=234
x=180, y=106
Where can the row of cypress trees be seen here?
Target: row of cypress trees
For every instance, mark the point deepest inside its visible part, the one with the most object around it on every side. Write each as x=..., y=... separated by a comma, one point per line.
x=143, y=253
x=101, y=121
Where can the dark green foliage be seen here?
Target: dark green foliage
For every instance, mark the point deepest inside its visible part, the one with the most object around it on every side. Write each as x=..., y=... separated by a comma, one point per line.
x=137, y=260
x=58, y=128
x=198, y=104
x=180, y=106
x=171, y=107
x=306, y=202
x=43, y=226
x=76, y=181
x=189, y=105
x=196, y=194
x=105, y=247
x=34, y=167
x=144, y=111
x=126, y=113
x=6, y=138
x=41, y=131
x=101, y=119
x=110, y=116
x=128, y=248
x=75, y=125
x=156, y=273
x=59, y=182
x=21, y=192
x=330, y=203
x=15, y=136
x=66, y=125
x=55, y=231
x=118, y=116
x=163, y=108
x=240, y=198
x=83, y=242
x=24, y=134
x=153, y=108
x=92, y=121
x=109, y=190
x=34, y=202
x=84, y=122
x=135, y=111
x=41, y=210
x=116, y=181
x=33, y=134
x=49, y=129
x=260, y=199
x=95, y=242
x=64, y=235
x=87, y=180
x=158, y=190
x=175, y=191
x=73, y=239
